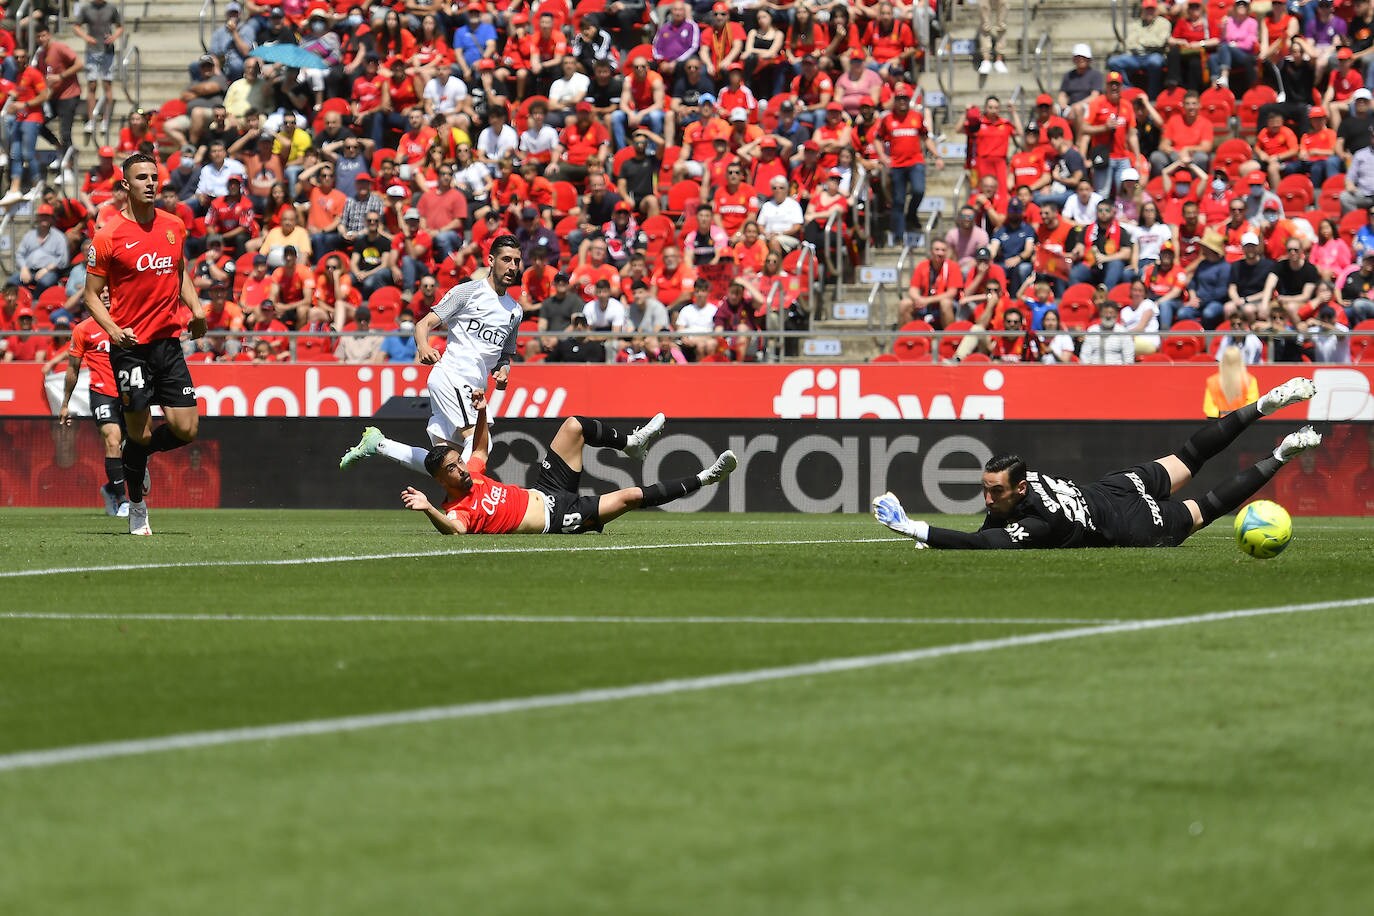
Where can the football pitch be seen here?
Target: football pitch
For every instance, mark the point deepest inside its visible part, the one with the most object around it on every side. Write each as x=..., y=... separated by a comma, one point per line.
x=342, y=712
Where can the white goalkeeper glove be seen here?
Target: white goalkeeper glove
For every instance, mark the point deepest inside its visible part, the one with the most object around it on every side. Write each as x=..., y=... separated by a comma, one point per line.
x=888, y=510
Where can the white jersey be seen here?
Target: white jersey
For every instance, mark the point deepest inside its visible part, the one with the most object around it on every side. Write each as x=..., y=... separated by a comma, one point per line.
x=481, y=330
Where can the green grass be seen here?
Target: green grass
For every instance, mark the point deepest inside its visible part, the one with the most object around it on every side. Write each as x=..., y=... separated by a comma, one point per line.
x=1212, y=768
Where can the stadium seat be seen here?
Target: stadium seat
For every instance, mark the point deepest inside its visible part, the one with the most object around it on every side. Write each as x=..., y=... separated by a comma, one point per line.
x=564, y=197
x=1180, y=349
x=1155, y=187
x=768, y=119
x=1217, y=106
x=665, y=169
x=51, y=298
x=1362, y=347
x=618, y=160
x=683, y=197
x=659, y=230
x=586, y=8
x=1329, y=196
x=1202, y=358
x=337, y=105
x=385, y=306
x=949, y=344
x=1351, y=223
x=1231, y=155
x=913, y=349
x=1296, y=193
x=645, y=51
x=886, y=358
x=1077, y=314
x=242, y=268
x=376, y=163
x=977, y=358
x=521, y=119
x=1250, y=103
x=1120, y=294
x=1162, y=358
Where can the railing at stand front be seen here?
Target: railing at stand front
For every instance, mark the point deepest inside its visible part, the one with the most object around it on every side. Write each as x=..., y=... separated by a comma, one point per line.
x=207, y=14
x=1028, y=11
x=944, y=66
x=1120, y=23
x=1044, y=61
x=134, y=98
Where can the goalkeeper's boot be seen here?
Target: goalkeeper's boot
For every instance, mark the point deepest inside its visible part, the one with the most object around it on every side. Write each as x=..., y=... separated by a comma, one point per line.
x=1290, y=392
x=1296, y=443
x=638, y=442
x=112, y=499
x=138, y=519
x=366, y=447
x=721, y=469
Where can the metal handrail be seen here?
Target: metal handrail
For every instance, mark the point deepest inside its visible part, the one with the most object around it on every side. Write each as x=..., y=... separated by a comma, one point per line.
x=1044, y=60
x=772, y=302
x=1120, y=18
x=1017, y=95
x=944, y=66
x=1028, y=10
x=207, y=5
x=133, y=53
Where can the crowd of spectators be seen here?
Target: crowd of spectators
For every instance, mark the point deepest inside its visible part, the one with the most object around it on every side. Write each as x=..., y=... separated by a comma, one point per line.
x=674, y=173
x=1215, y=176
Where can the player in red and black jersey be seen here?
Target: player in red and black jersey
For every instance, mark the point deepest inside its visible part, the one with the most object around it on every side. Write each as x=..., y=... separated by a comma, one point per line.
x=91, y=346
x=138, y=256
x=1130, y=508
x=476, y=504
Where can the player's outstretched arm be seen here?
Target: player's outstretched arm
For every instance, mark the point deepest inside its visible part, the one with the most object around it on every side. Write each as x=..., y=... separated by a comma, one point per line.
x=1030, y=532
x=481, y=436
x=418, y=502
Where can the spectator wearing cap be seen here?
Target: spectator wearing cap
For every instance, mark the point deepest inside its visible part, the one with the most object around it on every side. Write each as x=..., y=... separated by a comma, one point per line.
x=221, y=314
x=229, y=44
x=703, y=128
x=813, y=91
x=622, y=234
x=1081, y=85
x=1353, y=134
x=790, y=129
x=412, y=252
x=1146, y=55
x=1341, y=84
x=781, y=218
x=1247, y=288
x=902, y=141
x=583, y=141
x=1012, y=246
x=1111, y=134
x=203, y=95
x=532, y=234
x=1258, y=196
x=364, y=203
x=42, y=255
x=98, y=186
x=678, y=39
x=1190, y=41
x=1316, y=151
x=641, y=103
x=29, y=348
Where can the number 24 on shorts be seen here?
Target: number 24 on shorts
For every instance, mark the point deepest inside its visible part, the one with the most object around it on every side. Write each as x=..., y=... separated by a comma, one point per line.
x=131, y=378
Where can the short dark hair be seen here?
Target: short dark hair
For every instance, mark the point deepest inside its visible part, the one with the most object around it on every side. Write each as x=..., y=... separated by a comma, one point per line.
x=137, y=159
x=1055, y=133
x=505, y=240
x=1012, y=464
x=435, y=458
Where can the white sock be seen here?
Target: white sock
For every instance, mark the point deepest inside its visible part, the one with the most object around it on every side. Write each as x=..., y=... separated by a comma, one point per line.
x=406, y=455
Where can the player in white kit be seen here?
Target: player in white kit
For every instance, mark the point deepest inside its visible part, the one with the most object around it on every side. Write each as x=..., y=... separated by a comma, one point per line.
x=482, y=319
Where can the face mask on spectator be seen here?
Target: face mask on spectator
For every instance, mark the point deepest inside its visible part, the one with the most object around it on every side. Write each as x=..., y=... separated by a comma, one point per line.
x=406, y=327
x=1218, y=185
x=354, y=20
x=319, y=27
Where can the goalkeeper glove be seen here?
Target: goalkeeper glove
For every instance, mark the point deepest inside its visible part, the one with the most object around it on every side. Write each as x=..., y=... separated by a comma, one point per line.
x=888, y=510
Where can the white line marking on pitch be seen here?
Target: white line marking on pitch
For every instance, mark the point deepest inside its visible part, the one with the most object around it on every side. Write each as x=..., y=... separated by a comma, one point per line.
x=466, y=551
x=86, y=752
x=560, y=619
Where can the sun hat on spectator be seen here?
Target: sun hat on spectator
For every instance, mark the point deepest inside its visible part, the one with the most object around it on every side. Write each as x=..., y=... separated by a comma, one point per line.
x=720, y=7
x=769, y=142
x=1129, y=174
x=43, y=210
x=529, y=213
x=622, y=207
x=834, y=106
x=233, y=8
x=1044, y=98
x=706, y=98
x=1149, y=4
x=234, y=179
x=780, y=181
x=1083, y=50
x=396, y=191
x=213, y=238
x=1249, y=238
x=1015, y=206
x=583, y=106
x=1361, y=93
x=739, y=114
x=23, y=312
x=833, y=173
x=1114, y=77
x=362, y=178
x=811, y=146
x=1316, y=111
x=106, y=152
x=903, y=91
x=1345, y=53
x=411, y=214
x=520, y=19
x=259, y=259
x=1255, y=178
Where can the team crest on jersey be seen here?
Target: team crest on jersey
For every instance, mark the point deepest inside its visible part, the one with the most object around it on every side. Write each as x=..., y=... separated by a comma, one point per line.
x=90, y=257
x=171, y=239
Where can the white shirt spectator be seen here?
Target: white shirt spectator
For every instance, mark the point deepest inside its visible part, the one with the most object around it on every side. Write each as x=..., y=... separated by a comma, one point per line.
x=542, y=142
x=1147, y=342
x=1079, y=213
x=214, y=182
x=496, y=145
x=475, y=179
x=1115, y=348
x=564, y=93
x=1331, y=346
x=611, y=318
x=1148, y=240
x=447, y=94
x=779, y=217
x=694, y=320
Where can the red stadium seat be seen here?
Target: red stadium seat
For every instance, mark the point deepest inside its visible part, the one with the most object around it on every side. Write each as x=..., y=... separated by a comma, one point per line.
x=242, y=268
x=665, y=170
x=768, y=119
x=1181, y=349
x=522, y=112
x=913, y=349
x=886, y=358
x=1120, y=294
x=950, y=344
x=645, y=51
x=976, y=357
x=1217, y=106
x=385, y=306
x=1351, y=223
x=1296, y=193
x=683, y=198
x=1362, y=348
x=660, y=232
x=1077, y=314
x=1162, y=358
x=1230, y=155
x=51, y=298
x=337, y=105
x=586, y=8
x=564, y=197
x=1203, y=358
x=1250, y=104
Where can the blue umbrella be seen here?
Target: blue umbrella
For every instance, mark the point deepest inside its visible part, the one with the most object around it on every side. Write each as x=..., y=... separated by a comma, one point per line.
x=290, y=56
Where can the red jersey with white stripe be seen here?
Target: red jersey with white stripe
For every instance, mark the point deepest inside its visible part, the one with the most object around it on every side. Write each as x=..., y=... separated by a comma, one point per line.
x=91, y=345
x=904, y=138
x=143, y=267
x=490, y=507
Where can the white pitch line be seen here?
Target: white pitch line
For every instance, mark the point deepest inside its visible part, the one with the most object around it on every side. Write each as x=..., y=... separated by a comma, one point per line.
x=23, y=760
x=557, y=619
x=409, y=555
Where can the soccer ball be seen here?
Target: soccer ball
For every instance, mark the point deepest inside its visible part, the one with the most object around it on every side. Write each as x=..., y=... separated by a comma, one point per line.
x=1263, y=529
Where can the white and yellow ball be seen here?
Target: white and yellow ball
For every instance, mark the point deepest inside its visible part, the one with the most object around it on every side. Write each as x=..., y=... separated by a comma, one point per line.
x=1263, y=529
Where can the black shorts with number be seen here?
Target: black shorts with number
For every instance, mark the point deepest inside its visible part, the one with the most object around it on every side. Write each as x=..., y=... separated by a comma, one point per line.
x=1143, y=513
x=106, y=408
x=153, y=373
x=569, y=513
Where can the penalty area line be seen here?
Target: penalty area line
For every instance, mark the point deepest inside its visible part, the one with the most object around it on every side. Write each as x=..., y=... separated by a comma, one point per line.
x=419, y=554
x=556, y=619
x=24, y=760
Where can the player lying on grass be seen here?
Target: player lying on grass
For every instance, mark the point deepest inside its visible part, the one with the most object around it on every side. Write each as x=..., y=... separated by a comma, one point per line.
x=1128, y=508
x=476, y=504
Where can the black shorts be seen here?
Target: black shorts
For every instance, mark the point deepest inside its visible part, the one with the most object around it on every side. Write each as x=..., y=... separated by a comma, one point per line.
x=569, y=513
x=1143, y=515
x=153, y=373
x=106, y=408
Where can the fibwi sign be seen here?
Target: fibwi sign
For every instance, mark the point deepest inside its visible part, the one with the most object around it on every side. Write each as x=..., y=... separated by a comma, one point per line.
x=883, y=392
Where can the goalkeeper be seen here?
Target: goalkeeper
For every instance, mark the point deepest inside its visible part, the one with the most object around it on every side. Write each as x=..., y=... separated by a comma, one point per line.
x=1128, y=508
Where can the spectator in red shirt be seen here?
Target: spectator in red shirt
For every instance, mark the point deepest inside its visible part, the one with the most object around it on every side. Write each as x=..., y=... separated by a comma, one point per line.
x=935, y=286
x=293, y=287
x=583, y=140
x=1186, y=135
x=26, y=108
x=1317, y=151
x=232, y=216
x=993, y=141
x=32, y=349
x=444, y=213
x=414, y=252
x=641, y=103
x=735, y=202
x=1110, y=128
x=888, y=39
x=902, y=139
x=1275, y=146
